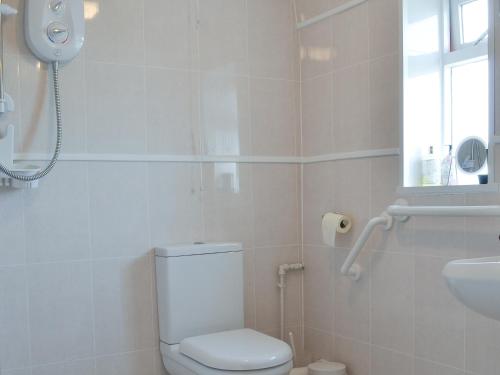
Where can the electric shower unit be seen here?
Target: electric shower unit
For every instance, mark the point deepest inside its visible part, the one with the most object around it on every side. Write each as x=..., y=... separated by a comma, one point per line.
x=55, y=33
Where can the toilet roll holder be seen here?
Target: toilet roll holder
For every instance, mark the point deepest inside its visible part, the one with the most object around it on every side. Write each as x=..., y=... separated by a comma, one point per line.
x=333, y=223
x=344, y=223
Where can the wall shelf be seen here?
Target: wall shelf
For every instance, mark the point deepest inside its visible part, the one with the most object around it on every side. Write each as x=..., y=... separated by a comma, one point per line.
x=7, y=182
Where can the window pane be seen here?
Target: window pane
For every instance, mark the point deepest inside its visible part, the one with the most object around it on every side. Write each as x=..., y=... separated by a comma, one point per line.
x=474, y=20
x=470, y=103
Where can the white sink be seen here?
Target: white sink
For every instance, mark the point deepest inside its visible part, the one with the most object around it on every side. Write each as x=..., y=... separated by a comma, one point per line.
x=476, y=283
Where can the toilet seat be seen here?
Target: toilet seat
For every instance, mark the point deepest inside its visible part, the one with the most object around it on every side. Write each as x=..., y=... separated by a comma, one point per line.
x=177, y=363
x=237, y=350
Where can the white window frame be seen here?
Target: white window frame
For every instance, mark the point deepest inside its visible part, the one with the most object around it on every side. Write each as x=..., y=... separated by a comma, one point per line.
x=455, y=18
x=458, y=54
x=450, y=57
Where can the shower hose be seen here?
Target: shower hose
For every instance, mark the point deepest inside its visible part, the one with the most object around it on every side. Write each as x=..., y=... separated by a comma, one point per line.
x=57, y=150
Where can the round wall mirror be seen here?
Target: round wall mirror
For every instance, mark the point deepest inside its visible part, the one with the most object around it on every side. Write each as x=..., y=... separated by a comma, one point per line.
x=472, y=155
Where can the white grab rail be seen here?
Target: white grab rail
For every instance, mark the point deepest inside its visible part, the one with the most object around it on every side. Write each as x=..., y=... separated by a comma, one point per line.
x=402, y=212
x=348, y=267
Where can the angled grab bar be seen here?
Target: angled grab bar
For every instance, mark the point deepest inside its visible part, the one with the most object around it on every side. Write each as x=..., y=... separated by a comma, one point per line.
x=351, y=269
x=402, y=212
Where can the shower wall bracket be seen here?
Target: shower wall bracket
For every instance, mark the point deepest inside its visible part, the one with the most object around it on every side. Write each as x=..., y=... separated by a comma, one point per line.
x=6, y=101
x=7, y=104
x=7, y=159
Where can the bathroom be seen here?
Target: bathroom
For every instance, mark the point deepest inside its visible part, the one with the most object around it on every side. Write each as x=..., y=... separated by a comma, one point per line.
x=245, y=122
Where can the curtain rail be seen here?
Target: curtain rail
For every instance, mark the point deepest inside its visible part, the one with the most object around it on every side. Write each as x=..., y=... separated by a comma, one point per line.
x=337, y=10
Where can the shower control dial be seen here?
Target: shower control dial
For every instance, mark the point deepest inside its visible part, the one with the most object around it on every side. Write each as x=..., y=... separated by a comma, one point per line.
x=58, y=33
x=54, y=29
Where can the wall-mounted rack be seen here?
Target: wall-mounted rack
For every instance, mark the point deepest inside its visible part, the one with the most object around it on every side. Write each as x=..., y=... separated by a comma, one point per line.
x=6, y=102
x=337, y=10
x=400, y=211
x=7, y=182
x=7, y=159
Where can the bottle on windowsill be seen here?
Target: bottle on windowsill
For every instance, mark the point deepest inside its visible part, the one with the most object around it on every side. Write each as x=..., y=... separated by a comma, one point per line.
x=448, y=168
x=431, y=175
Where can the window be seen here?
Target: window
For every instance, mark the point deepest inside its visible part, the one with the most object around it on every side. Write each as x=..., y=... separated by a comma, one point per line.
x=446, y=88
x=469, y=22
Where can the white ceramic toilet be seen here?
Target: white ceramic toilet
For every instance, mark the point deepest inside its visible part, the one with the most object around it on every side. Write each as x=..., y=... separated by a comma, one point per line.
x=200, y=305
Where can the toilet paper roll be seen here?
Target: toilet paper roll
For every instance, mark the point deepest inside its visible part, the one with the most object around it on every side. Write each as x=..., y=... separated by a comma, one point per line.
x=333, y=224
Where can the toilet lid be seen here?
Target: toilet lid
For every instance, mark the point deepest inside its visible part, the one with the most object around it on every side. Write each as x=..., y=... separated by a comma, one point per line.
x=238, y=350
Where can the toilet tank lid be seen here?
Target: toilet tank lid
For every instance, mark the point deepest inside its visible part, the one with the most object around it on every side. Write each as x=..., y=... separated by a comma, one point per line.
x=197, y=249
x=237, y=350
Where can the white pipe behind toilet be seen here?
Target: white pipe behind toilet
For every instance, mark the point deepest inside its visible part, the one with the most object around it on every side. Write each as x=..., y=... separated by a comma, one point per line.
x=332, y=224
x=320, y=367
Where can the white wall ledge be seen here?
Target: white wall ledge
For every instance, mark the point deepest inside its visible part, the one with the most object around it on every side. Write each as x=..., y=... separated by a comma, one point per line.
x=461, y=189
x=166, y=158
x=364, y=154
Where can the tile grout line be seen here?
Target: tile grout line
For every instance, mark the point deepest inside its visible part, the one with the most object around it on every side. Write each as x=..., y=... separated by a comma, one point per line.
x=27, y=286
x=92, y=275
x=151, y=262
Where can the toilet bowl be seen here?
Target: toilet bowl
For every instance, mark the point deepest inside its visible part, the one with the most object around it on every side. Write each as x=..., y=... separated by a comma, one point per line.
x=238, y=352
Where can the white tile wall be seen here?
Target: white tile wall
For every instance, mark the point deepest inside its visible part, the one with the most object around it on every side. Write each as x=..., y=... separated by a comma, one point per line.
x=223, y=36
x=186, y=77
x=52, y=237
x=125, y=207
x=350, y=37
x=116, y=33
x=172, y=110
x=87, y=291
x=127, y=364
x=275, y=108
x=317, y=117
x=392, y=301
x=78, y=367
x=400, y=318
x=60, y=311
x=401, y=310
x=170, y=39
x=272, y=42
x=222, y=77
x=276, y=205
x=13, y=250
x=15, y=343
x=123, y=305
x=115, y=108
x=351, y=108
x=225, y=114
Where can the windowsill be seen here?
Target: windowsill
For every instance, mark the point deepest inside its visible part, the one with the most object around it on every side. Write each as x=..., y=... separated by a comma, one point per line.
x=461, y=189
